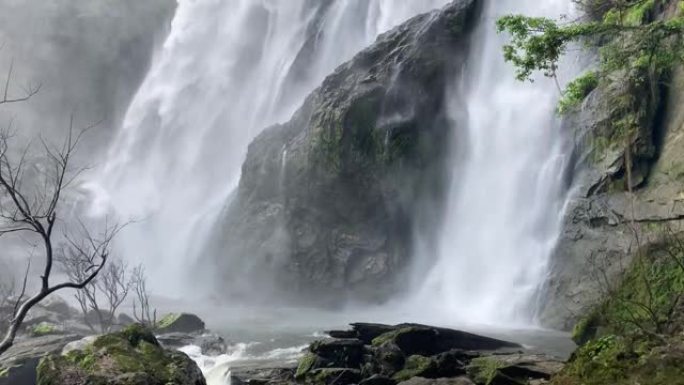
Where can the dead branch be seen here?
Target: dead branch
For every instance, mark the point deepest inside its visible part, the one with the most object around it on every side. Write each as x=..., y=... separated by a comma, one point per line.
x=35, y=211
x=147, y=315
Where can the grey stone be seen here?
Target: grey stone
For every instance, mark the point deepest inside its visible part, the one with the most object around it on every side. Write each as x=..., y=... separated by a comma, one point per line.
x=328, y=202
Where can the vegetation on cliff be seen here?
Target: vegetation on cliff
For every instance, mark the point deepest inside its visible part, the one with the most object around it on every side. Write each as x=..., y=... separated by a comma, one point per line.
x=637, y=43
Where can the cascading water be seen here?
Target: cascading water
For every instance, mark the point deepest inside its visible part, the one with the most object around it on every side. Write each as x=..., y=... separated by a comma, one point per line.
x=507, y=193
x=227, y=70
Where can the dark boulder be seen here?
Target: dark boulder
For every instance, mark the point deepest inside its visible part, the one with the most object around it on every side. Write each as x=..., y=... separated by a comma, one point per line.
x=346, y=353
x=425, y=340
x=388, y=359
x=342, y=334
x=451, y=364
x=180, y=323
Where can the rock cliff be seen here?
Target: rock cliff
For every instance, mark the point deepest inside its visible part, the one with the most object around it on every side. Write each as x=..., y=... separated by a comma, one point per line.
x=604, y=224
x=328, y=202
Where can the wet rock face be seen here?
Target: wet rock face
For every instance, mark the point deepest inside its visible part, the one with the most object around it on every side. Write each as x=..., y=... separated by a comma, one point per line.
x=328, y=202
x=602, y=221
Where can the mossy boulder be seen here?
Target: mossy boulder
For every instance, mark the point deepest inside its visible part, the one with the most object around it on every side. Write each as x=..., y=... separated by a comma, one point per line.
x=130, y=357
x=180, y=323
x=45, y=329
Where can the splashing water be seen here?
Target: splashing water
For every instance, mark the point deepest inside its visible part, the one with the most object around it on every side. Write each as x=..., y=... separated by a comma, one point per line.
x=217, y=369
x=508, y=190
x=227, y=70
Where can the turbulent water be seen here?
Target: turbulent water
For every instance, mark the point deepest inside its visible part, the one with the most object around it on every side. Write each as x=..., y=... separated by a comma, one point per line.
x=227, y=70
x=508, y=189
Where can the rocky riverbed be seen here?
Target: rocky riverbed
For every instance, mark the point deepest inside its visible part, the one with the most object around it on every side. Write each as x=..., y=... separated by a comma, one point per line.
x=55, y=347
x=377, y=354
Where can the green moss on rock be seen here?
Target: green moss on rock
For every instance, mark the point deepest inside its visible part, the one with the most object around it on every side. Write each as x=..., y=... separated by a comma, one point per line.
x=637, y=334
x=133, y=353
x=585, y=329
x=168, y=320
x=180, y=323
x=620, y=360
x=44, y=329
x=415, y=366
x=306, y=364
x=483, y=370
x=389, y=336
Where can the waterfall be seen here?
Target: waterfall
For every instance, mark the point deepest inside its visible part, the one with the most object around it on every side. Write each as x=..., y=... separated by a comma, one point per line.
x=507, y=193
x=227, y=70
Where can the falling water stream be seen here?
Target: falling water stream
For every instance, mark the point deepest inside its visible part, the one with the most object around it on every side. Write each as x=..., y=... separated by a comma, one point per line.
x=508, y=191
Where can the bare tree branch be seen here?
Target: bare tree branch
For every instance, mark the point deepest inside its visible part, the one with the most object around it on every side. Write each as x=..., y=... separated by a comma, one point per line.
x=35, y=211
x=147, y=315
x=29, y=91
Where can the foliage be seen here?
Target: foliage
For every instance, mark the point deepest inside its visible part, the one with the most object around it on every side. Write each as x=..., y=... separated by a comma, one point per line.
x=624, y=360
x=146, y=315
x=627, y=38
x=635, y=335
x=649, y=295
x=577, y=91
x=586, y=328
